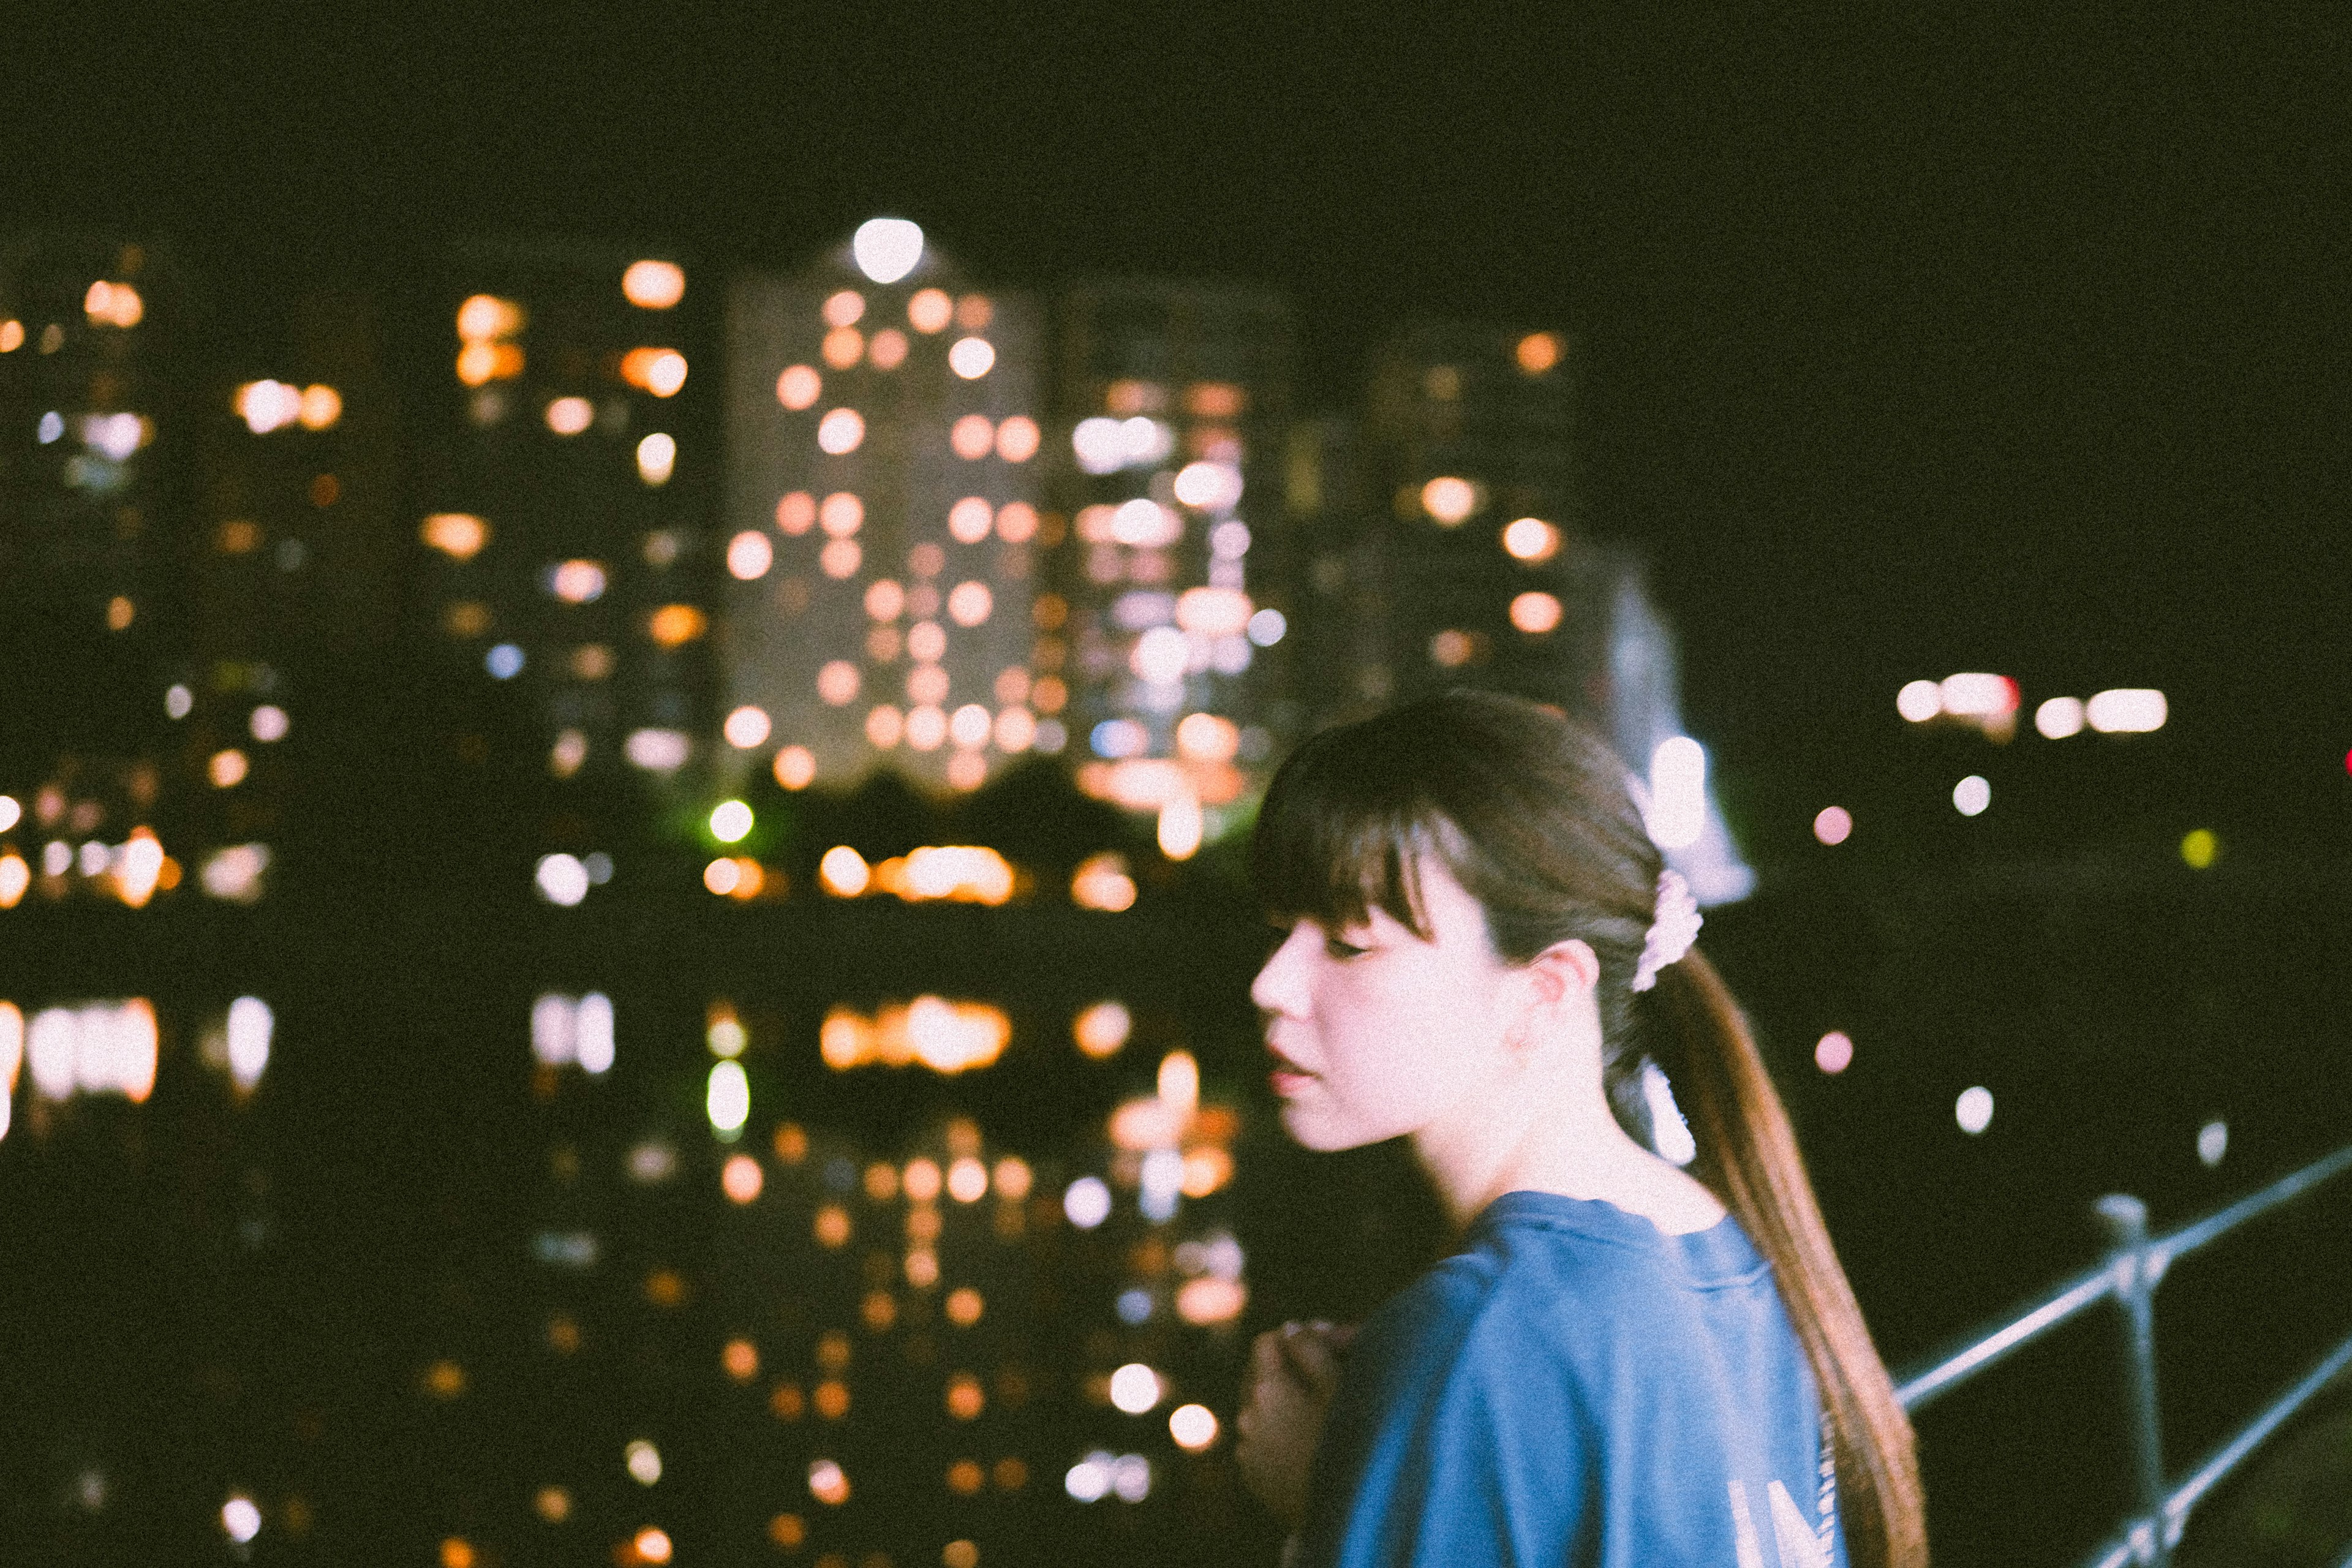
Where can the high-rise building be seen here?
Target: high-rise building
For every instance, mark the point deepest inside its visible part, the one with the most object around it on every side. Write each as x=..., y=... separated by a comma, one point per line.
x=1468, y=562
x=570, y=490
x=1168, y=610
x=882, y=524
x=96, y=451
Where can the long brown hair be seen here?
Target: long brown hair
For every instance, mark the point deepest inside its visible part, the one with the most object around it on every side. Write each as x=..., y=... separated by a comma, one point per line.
x=1532, y=813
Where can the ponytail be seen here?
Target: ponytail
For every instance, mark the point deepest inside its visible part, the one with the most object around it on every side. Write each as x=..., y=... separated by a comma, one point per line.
x=1747, y=1156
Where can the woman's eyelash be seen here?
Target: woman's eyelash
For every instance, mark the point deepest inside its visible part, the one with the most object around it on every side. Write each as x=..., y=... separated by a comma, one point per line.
x=1333, y=946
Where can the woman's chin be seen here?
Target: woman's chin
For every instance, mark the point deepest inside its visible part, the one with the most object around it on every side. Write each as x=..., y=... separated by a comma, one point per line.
x=1310, y=1130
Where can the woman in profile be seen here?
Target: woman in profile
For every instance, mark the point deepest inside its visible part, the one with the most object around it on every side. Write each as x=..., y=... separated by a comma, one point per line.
x=1644, y=1351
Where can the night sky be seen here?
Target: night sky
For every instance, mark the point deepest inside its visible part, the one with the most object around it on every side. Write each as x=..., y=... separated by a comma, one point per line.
x=2013, y=342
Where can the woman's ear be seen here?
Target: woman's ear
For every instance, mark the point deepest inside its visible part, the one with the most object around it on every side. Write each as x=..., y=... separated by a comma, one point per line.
x=1563, y=968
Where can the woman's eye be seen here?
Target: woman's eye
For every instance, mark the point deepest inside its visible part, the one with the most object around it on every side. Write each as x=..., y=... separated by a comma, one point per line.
x=1334, y=948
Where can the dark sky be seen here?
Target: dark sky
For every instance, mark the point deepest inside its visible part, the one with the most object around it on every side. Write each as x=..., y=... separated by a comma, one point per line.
x=1967, y=338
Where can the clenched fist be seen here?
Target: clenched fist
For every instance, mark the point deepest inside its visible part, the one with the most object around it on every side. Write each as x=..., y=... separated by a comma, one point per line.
x=1293, y=1371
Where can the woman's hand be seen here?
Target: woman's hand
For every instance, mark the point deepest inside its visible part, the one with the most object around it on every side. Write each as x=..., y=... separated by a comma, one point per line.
x=1293, y=1371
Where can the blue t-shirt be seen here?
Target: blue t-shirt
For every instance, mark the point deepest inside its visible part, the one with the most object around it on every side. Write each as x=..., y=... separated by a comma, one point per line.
x=1577, y=1387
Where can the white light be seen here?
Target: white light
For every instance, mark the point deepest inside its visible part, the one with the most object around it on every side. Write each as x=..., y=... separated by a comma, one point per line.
x=1194, y=1427
x=887, y=248
x=1161, y=656
x=2059, y=718
x=1212, y=486
x=269, y=723
x=1145, y=440
x=657, y=457
x=1833, y=1052
x=971, y=358
x=117, y=436
x=840, y=431
x=749, y=555
x=234, y=873
x=653, y=285
x=1163, y=1185
x=267, y=406
x=563, y=880
x=178, y=701
x=1975, y=696
x=2127, y=710
x=241, y=1518
x=730, y=821
x=746, y=727
x=555, y=1030
x=591, y=1032
x=644, y=1461
x=10, y=812
x=1090, y=1479
x=1833, y=824
x=250, y=1024
x=504, y=661
x=1919, y=700
x=728, y=1100
x=1145, y=524
x=1181, y=827
x=1971, y=795
x=2212, y=1142
x=576, y=582
x=1134, y=1388
x=1130, y=1478
x=1267, y=627
x=570, y=416
x=1087, y=1202
x=657, y=751
x=1973, y=1109
x=1098, y=446
x=1678, y=792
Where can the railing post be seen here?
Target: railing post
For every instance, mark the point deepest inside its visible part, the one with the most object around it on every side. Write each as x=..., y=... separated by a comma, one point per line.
x=2125, y=1218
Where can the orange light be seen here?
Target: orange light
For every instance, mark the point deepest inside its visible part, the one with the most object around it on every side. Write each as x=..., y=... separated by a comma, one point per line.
x=456, y=1552
x=653, y=285
x=1101, y=882
x=1206, y=1171
x=481, y=361
x=321, y=407
x=798, y=387
x=674, y=625
x=841, y=514
x=796, y=767
x=651, y=1545
x=795, y=512
x=456, y=534
x=1210, y=1299
x=844, y=347
x=972, y=436
x=1449, y=499
x=120, y=613
x=1452, y=649
x=228, y=769
x=787, y=1530
x=929, y=310
x=846, y=309
x=973, y=312
x=658, y=371
x=828, y=1483
x=879, y=1311
x=1215, y=399
x=888, y=349
x=1536, y=613
x=741, y=1178
x=741, y=1360
x=12, y=335
x=1538, y=352
x=832, y=1227
x=113, y=304
x=1530, y=538
x=965, y=1398
x=964, y=1306
x=965, y=1476
x=488, y=316
x=444, y=1380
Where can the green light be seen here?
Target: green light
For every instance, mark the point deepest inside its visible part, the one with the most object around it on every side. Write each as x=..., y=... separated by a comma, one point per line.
x=2200, y=848
x=730, y=821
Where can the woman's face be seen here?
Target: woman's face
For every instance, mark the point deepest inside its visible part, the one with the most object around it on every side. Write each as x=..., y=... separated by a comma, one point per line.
x=1378, y=1032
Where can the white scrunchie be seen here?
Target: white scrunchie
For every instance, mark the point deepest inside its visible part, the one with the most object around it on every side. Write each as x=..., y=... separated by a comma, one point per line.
x=1672, y=929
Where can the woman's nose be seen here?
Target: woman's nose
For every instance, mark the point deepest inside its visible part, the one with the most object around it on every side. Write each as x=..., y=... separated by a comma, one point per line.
x=1276, y=988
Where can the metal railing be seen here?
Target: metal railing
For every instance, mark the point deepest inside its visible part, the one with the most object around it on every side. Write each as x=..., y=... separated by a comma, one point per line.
x=2135, y=1265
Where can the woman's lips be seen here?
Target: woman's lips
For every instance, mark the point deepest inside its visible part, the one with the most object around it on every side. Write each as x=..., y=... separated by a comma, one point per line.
x=1287, y=1076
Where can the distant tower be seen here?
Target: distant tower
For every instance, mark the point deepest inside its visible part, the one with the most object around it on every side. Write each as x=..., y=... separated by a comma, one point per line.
x=95, y=450
x=882, y=525
x=567, y=498
x=1171, y=597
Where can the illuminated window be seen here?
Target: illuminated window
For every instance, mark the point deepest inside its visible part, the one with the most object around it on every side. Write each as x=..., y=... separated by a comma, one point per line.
x=1449, y=499
x=885, y=726
x=972, y=436
x=888, y=350
x=973, y=312
x=927, y=727
x=926, y=683
x=1016, y=521
x=840, y=558
x=837, y=683
x=968, y=520
x=1536, y=613
x=929, y=310
x=674, y=625
x=796, y=767
x=749, y=555
x=927, y=641
x=970, y=604
x=842, y=347
x=971, y=358
x=1530, y=538
x=658, y=371
x=839, y=432
x=884, y=599
x=653, y=285
x=841, y=514
x=798, y=387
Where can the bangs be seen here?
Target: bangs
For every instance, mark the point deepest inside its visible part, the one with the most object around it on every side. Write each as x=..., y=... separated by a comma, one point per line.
x=1340, y=835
